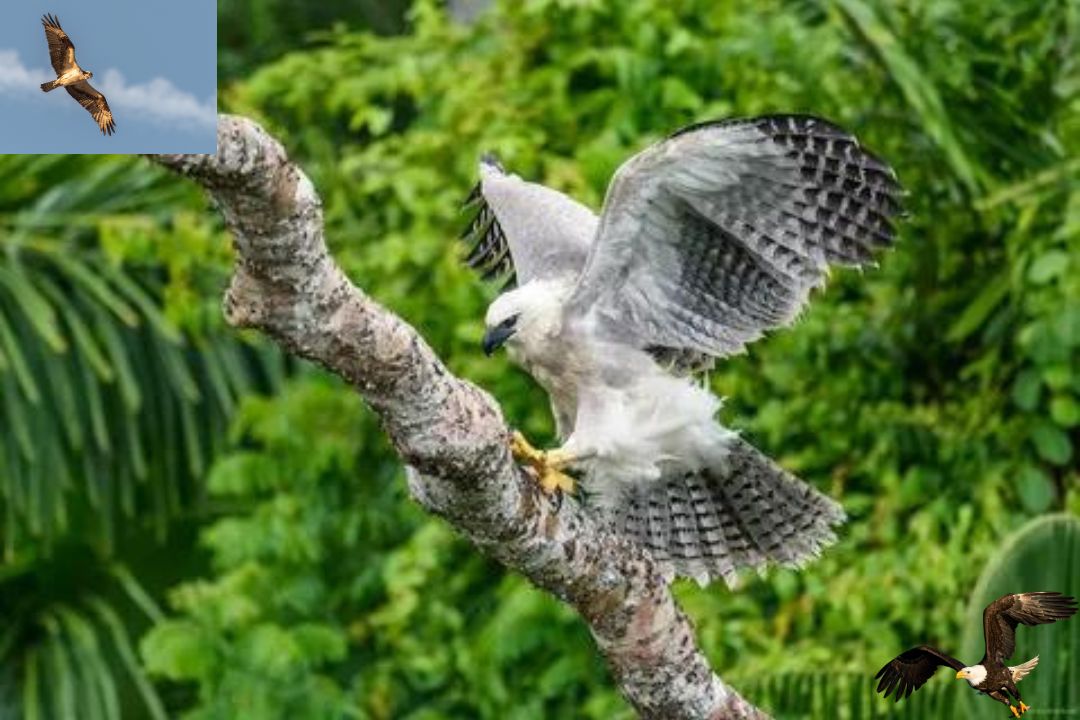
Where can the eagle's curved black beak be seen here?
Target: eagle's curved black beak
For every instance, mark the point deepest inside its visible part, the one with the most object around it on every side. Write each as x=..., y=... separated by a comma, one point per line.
x=495, y=337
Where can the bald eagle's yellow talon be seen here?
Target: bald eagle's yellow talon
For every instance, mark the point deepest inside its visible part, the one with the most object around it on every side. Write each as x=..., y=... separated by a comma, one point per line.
x=1015, y=712
x=1023, y=707
x=546, y=466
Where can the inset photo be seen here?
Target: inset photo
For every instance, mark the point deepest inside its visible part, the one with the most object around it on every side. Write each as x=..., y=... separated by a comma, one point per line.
x=114, y=76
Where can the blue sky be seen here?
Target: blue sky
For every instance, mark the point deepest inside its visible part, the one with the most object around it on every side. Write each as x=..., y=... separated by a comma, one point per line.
x=155, y=62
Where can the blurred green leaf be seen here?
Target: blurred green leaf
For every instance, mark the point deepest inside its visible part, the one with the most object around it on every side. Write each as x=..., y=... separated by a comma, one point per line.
x=1052, y=442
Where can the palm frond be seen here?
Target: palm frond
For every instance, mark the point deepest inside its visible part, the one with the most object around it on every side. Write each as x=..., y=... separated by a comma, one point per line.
x=114, y=411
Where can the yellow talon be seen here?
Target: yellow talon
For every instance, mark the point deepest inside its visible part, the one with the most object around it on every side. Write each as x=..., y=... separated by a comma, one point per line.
x=522, y=449
x=1023, y=707
x=545, y=465
x=1014, y=710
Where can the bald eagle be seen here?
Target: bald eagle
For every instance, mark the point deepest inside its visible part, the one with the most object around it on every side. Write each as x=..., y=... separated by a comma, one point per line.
x=910, y=670
x=73, y=78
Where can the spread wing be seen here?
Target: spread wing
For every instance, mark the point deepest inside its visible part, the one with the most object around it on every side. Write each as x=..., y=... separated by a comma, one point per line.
x=719, y=233
x=95, y=104
x=524, y=231
x=61, y=49
x=1001, y=617
x=910, y=670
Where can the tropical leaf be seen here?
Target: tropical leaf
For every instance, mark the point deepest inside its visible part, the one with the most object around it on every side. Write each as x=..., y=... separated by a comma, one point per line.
x=66, y=650
x=115, y=412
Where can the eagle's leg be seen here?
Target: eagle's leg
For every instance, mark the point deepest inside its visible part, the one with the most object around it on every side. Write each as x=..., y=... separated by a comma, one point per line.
x=546, y=464
x=1015, y=712
x=1024, y=707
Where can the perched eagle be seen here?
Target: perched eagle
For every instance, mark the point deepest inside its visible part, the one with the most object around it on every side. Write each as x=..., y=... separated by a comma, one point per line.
x=706, y=241
x=910, y=670
x=73, y=78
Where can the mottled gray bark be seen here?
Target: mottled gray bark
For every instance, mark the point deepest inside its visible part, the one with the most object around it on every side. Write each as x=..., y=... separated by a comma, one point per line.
x=450, y=433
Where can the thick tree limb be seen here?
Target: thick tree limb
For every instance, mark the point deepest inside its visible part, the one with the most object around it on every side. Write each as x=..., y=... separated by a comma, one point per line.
x=450, y=433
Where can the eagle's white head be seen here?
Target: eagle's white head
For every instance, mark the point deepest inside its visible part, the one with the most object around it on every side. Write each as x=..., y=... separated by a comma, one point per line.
x=525, y=317
x=975, y=675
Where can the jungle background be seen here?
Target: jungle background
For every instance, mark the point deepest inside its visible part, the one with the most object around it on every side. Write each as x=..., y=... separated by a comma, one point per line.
x=193, y=525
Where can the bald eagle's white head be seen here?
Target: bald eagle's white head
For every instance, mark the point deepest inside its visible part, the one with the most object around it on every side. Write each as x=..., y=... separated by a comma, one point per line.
x=975, y=675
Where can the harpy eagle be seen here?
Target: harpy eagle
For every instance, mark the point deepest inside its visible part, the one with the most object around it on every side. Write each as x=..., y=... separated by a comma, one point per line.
x=910, y=670
x=73, y=78
x=706, y=240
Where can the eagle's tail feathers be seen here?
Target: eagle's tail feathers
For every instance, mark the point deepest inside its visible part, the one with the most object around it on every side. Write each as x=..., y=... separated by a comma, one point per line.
x=1019, y=671
x=749, y=513
x=51, y=85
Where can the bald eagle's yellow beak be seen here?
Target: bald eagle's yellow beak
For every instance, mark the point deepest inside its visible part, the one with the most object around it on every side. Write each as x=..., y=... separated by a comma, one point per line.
x=960, y=674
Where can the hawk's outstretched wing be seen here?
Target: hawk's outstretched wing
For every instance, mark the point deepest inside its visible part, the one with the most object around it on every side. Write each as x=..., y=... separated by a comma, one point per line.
x=1001, y=617
x=718, y=233
x=61, y=49
x=95, y=104
x=909, y=671
x=525, y=231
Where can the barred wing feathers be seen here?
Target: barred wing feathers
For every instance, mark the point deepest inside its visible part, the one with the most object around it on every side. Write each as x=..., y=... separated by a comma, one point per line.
x=710, y=524
x=61, y=49
x=95, y=104
x=719, y=233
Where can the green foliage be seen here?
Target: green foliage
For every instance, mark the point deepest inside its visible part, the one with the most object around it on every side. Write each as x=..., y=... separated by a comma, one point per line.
x=116, y=385
x=115, y=403
x=257, y=636
x=252, y=32
x=329, y=561
x=849, y=696
x=65, y=650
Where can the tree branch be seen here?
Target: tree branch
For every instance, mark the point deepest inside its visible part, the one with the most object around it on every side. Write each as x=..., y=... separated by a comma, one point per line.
x=450, y=433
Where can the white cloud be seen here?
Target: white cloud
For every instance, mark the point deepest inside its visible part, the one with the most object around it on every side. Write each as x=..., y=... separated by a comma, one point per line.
x=13, y=76
x=157, y=100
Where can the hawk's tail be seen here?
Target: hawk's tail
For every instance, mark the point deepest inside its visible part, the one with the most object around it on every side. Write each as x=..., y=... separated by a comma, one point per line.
x=51, y=85
x=712, y=523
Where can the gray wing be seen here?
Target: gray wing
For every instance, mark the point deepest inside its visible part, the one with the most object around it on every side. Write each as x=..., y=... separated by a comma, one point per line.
x=525, y=231
x=719, y=233
x=95, y=104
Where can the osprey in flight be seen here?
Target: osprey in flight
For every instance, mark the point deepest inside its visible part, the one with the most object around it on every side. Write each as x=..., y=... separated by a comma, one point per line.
x=706, y=240
x=73, y=78
x=910, y=670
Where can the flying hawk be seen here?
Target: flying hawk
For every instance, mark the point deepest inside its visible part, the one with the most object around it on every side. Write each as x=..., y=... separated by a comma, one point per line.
x=73, y=78
x=910, y=670
x=706, y=240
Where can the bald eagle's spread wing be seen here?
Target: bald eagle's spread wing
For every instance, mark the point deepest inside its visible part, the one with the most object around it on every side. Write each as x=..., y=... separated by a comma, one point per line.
x=717, y=234
x=524, y=231
x=61, y=49
x=910, y=670
x=95, y=104
x=1001, y=617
